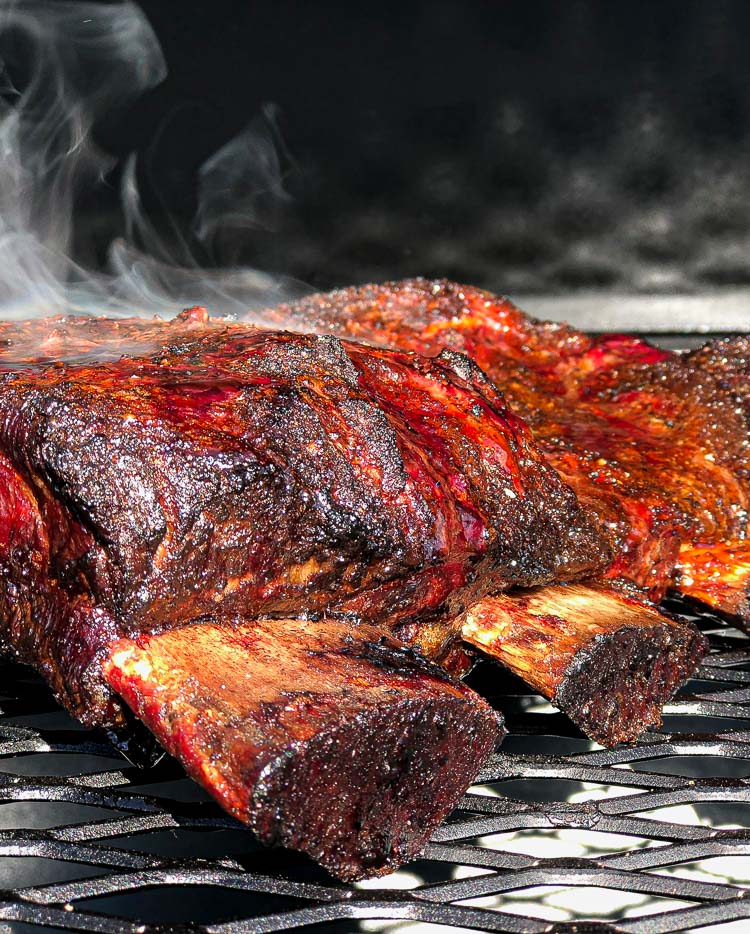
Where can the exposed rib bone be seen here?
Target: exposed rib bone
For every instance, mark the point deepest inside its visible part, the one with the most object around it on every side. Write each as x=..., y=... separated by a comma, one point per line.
x=718, y=576
x=334, y=740
x=606, y=661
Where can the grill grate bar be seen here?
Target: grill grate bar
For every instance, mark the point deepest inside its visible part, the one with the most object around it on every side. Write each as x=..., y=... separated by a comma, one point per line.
x=454, y=915
x=550, y=872
x=686, y=919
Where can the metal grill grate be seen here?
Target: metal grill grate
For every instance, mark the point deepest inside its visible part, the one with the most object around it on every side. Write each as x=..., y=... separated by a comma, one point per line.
x=647, y=838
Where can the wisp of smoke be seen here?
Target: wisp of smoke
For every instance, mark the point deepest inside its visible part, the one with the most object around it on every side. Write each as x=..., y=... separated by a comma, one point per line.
x=78, y=61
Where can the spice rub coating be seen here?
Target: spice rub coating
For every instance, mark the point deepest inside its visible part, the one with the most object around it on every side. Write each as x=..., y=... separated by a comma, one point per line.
x=236, y=470
x=654, y=443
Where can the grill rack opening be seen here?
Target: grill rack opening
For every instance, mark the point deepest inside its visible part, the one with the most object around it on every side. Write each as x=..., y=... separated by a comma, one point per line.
x=646, y=838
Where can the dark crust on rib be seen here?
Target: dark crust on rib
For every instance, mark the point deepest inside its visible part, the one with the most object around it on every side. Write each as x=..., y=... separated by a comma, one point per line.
x=728, y=361
x=365, y=815
x=626, y=678
x=327, y=738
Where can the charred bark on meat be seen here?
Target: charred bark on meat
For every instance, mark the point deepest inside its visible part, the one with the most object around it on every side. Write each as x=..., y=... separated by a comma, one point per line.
x=608, y=662
x=324, y=737
x=653, y=443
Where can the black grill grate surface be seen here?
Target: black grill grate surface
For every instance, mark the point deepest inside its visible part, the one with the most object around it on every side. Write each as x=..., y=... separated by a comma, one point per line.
x=652, y=837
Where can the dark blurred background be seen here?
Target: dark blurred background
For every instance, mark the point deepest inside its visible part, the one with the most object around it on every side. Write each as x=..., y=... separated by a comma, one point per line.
x=527, y=147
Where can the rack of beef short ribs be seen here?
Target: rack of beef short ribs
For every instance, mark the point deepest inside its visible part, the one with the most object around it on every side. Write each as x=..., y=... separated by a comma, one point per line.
x=176, y=519
x=155, y=506
x=654, y=443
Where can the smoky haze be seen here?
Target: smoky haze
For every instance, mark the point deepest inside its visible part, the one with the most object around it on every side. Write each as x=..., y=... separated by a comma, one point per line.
x=65, y=66
x=526, y=147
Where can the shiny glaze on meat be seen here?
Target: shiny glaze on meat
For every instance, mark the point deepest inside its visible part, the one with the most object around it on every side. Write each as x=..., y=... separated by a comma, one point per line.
x=238, y=470
x=650, y=441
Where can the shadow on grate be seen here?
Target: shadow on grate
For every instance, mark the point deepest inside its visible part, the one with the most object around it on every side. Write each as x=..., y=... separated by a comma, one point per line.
x=648, y=838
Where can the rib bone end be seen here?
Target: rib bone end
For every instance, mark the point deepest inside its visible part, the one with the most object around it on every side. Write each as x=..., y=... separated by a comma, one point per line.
x=617, y=685
x=717, y=576
x=608, y=662
x=335, y=741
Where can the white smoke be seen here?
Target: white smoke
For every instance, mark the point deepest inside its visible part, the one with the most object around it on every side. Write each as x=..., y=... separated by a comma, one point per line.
x=77, y=61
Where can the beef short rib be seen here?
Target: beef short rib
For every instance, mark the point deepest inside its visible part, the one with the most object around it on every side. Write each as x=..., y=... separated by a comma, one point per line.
x=325, y=737
x=262, y=473
x=172, y=519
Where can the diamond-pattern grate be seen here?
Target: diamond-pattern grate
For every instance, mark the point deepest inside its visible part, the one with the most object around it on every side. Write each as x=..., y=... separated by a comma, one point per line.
x=648, y=838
